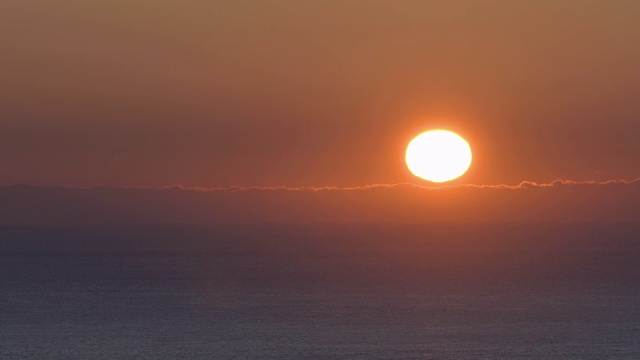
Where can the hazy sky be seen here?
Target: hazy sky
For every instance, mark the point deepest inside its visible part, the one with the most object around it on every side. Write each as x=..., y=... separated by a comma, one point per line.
x=220, y=93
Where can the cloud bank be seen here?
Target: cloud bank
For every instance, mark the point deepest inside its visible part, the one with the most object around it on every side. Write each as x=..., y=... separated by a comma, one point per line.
x=522, y=185
x=557, y=201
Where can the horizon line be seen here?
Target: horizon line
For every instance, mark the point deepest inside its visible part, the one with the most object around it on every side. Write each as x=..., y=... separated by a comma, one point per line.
x=236, y=188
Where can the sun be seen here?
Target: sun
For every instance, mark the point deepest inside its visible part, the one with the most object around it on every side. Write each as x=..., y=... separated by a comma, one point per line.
x=438, y=156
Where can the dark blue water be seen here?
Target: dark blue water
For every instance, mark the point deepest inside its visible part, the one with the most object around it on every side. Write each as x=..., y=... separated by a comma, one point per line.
x=321, y=292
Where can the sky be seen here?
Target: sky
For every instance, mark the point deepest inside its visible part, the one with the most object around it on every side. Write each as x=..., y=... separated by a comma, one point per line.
x=315, y=93
x=198, y=177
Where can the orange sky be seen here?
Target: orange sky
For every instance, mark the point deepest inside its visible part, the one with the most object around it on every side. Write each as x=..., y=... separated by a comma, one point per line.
x=223, y=93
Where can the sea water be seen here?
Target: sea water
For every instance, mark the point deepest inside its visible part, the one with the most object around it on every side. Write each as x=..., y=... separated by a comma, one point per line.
x=499, y=291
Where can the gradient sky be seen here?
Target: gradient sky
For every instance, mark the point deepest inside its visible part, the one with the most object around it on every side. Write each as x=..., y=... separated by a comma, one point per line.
x=299, y=93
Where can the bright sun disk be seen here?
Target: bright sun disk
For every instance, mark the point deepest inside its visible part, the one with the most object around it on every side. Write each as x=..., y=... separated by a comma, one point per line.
x=438, y=156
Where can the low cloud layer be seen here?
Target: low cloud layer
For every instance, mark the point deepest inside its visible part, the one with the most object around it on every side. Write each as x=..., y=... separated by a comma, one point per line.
x=557, y=201
x=522, y=185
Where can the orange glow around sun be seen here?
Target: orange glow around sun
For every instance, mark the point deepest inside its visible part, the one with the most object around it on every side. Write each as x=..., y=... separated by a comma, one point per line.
x=438, y=156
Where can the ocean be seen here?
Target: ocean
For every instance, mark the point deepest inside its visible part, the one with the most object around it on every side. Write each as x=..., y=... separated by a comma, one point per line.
x=321, y=291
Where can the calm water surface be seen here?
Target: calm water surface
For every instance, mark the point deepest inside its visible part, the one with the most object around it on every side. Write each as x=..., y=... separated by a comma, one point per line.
x=321, y=292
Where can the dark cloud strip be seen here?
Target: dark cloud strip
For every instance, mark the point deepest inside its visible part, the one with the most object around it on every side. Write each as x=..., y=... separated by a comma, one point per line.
x=556, y=201
x=521, y=185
